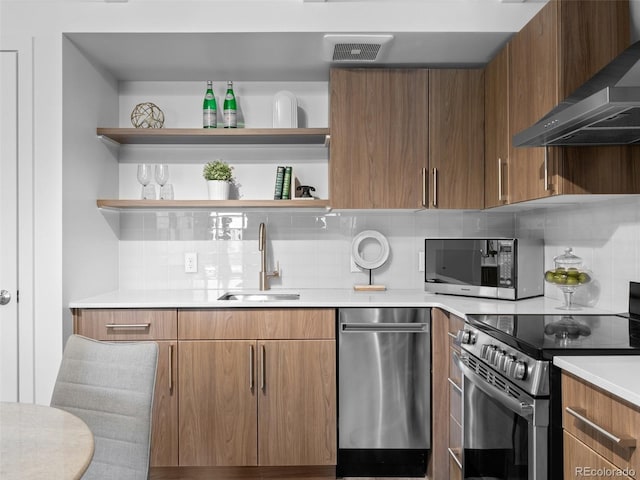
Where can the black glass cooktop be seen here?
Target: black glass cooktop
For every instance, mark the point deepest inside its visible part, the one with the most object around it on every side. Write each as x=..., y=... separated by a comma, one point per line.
x=543, y=336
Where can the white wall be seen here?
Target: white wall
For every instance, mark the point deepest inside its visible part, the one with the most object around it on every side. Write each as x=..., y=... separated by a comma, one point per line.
x=605, y=235
x=90, y=171
x=313, y=249
x=254, y=166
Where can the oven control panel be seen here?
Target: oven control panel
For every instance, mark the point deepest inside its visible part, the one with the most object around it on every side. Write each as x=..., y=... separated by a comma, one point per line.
x=526, y=372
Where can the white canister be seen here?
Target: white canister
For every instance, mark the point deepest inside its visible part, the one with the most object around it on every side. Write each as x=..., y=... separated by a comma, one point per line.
x=285, y=110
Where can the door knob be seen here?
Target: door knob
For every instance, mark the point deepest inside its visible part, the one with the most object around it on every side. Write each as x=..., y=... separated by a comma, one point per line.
x=5, y=297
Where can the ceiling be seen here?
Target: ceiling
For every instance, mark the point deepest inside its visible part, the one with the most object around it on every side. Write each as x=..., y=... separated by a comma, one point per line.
x=452, y=33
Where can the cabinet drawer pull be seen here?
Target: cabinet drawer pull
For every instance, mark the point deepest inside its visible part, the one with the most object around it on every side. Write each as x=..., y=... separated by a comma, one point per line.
x=455, y=458
x=262, y=367
x=455, y=386
x=435, y=187
x=127, y=325
x=580, y=414
x=170, y=368
x=251, y=361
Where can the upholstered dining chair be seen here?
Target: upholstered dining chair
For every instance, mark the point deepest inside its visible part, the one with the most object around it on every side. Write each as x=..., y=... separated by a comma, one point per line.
x=110, y=386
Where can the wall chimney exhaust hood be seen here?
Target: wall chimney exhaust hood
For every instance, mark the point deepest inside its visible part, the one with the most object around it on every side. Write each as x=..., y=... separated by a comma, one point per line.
x=603, y=111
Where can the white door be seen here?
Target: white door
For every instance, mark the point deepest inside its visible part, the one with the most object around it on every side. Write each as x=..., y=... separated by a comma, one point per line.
x=8, y=226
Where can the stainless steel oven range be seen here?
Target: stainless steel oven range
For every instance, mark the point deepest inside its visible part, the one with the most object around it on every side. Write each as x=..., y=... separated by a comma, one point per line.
x=512, y=417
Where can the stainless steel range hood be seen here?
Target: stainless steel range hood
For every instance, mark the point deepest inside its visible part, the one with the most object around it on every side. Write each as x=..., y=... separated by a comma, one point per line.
x=603, y=111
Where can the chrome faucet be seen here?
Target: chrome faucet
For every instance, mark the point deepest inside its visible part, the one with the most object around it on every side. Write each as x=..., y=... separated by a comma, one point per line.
x=262, y=246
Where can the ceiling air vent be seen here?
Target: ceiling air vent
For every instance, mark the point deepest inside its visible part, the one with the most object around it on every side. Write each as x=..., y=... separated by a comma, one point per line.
x=355, y=48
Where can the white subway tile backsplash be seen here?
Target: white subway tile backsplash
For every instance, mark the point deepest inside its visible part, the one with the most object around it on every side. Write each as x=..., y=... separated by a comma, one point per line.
x=314, y=249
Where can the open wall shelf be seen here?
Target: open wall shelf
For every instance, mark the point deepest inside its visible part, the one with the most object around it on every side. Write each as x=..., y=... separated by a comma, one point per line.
x=209, y=204
x=216, y=136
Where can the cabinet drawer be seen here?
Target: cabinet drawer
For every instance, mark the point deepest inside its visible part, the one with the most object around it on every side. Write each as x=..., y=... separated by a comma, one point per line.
x=455, y=323
x=581, y=462
x=596, y=418
x=127, y=324
x=254, y=323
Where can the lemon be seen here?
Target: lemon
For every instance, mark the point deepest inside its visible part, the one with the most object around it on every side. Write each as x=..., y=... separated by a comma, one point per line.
x=560, y=279
x=584, y=278
x=573, y=272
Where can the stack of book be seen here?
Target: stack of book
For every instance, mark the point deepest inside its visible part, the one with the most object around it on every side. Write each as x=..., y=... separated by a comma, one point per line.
x=283, y=183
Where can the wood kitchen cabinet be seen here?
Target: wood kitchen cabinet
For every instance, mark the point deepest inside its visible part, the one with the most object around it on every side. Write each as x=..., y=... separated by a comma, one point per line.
x=446, y=450
x=456, y=138
x=379, y=134
x=591, y=418
x=406, y=138
x=257, y=387
x=497, y=138
x=564, y=45
x=140, y=325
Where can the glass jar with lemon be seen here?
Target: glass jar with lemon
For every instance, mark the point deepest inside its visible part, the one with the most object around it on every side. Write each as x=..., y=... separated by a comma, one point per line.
x=568, y=275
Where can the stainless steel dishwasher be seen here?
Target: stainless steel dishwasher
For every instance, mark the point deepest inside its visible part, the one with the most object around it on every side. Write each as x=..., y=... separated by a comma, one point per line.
x=384, y=391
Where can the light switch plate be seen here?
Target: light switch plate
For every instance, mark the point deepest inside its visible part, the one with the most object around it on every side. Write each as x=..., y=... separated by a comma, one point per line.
x=421, y=261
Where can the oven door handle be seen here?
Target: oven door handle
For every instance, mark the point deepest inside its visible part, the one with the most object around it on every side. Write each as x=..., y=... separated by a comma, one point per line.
x=522, y=409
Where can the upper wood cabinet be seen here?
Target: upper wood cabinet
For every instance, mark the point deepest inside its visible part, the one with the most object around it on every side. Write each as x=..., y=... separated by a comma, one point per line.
x=496, y=124
x=456, y=138
x=379, y=134
x=406, y=138
x=565, y=44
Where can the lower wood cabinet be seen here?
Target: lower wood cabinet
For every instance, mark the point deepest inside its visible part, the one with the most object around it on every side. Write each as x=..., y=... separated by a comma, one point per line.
x=234, y=388
x=258, y=387
x=601, y=432
x=446, y=449
x=140, y=325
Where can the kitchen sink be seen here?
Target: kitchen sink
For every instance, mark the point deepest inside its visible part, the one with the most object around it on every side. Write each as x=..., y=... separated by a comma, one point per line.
x=259, y=297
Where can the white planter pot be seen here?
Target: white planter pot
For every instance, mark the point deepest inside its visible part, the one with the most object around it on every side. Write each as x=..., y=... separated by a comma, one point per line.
x=218, y=189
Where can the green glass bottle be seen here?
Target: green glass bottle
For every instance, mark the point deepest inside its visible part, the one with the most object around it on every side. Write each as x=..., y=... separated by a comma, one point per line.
x=229, y=108
x=209, y=110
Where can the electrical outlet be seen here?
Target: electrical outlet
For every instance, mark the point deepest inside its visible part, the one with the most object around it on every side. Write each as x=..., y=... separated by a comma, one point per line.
x=191, y=262
x=354, y=268
x=421, y=261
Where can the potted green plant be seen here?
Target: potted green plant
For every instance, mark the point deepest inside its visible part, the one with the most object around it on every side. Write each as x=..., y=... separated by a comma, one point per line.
x=219, y=176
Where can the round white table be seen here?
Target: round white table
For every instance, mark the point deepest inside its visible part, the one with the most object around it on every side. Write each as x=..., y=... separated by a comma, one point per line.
x=39, y=442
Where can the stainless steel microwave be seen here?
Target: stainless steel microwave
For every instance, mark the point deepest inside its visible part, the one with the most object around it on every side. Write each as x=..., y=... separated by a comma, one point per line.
x=504, y=268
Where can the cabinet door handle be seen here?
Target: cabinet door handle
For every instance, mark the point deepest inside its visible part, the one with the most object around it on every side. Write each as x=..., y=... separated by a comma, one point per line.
x=424, y=187
x=127, y=325
x=500, y=190
x=262, y=367
x=547, y=184
x=170, y=368
x=251, y=362
x=435, y=187
x=580, y=414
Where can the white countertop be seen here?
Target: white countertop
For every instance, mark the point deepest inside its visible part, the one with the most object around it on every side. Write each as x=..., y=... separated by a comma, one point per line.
x=615, y=374
x=322, y=298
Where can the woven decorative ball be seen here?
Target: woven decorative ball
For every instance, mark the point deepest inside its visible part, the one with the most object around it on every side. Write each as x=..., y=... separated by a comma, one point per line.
x=147, y=115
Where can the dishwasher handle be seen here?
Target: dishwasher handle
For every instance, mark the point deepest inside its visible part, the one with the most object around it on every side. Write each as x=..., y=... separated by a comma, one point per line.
x=384, y=327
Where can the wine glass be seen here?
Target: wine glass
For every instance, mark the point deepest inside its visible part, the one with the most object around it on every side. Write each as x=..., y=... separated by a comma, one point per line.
x=162, y=176
x=144, y=177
